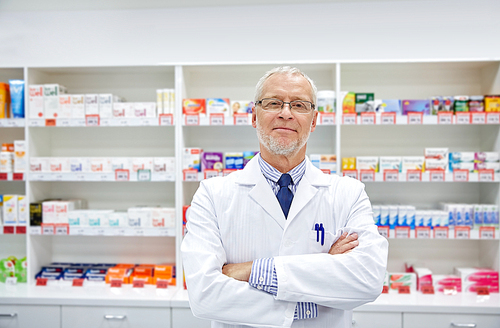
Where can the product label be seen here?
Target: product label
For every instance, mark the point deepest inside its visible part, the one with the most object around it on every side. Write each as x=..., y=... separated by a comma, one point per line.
x=391, y=175
x=41, y=281
x=462, y=232
x=404, y=290
x=423, y=232
x=349, y=118
x=402, y=232
x=77, y=282
x=240, y=119
x=413, y=175
x=486, y=175
x=367, y=175
x=350, y=173
x=192, y=119
x=383, y=231
x=478, y=118
x=415, y=118
x=211, y=173
x=493, y=118
x=388, y=118
x=92, y=120
x=217, y=119
x=461, y=175
x=487, y=232
x=483, y=291
x=327, y=118
x=166, y=119
x=445, y=118
x=436, y=176
x=162, y=284
x=122, y=175
x=190, y=175
x=368, y=118
x=427, y=289
x=463, y=118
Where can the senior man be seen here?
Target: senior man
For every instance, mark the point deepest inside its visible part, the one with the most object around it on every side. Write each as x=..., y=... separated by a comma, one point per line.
x=279, y=243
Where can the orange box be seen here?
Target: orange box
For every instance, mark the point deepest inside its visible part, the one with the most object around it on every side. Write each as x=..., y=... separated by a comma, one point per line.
x=170, y=282
x=124, y=265
x=122, y=274
x=492, y=103
x=144, y=271
x=194, y=106
x=147, y=280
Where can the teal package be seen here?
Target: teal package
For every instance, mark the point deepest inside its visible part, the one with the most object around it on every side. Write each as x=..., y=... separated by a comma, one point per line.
x=17, y=98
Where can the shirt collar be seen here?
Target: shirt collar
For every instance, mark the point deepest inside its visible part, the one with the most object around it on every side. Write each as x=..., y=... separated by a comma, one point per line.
x=273, y=174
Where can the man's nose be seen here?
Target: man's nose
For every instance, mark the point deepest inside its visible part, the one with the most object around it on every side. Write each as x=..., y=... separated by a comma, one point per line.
x=286, y=111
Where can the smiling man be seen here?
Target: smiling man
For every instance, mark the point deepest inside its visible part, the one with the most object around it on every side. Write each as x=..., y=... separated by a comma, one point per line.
x=279, y=243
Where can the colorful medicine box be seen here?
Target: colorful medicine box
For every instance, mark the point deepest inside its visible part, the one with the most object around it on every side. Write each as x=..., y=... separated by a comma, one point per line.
x=194, y=106
x=416, y=106
x=218, y=106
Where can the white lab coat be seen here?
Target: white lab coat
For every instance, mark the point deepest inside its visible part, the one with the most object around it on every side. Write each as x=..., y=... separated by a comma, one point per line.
x=238, y=219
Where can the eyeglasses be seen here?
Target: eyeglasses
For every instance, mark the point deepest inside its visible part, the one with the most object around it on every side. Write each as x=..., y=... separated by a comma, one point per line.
x=275, y=105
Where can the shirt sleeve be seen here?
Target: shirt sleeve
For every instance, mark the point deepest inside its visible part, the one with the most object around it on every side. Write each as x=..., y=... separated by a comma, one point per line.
x=263, y=277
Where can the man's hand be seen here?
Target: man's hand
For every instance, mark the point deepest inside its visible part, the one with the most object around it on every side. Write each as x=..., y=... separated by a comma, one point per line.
x=238, y=271
x=344, y=244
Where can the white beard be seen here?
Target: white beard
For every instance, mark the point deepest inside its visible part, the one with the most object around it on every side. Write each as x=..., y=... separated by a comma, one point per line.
x=274, y=146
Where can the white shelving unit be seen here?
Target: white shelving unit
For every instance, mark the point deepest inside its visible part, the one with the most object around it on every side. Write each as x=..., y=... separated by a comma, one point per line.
x=402, y=80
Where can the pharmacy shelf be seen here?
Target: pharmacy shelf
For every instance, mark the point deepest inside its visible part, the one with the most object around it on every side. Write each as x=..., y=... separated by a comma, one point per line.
x=65, y=230
x=13, y=229
x=367, y=176
x=104, y=176
x=492, y=118
x=12, y=176
x=240, y=119
x=12, y=123
x=95, y=121
x=445, y=233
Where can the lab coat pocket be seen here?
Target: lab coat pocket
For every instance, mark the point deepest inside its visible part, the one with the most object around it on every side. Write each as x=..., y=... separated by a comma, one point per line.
x=317, y=244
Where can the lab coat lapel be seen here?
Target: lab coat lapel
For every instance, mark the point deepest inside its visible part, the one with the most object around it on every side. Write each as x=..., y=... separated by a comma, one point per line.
x=261, y=192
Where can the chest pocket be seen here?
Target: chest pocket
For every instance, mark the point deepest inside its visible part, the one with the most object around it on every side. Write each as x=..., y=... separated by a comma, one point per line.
x=315, y=241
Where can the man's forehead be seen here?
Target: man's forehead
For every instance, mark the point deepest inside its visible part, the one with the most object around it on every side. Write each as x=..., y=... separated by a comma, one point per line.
x=287, y=82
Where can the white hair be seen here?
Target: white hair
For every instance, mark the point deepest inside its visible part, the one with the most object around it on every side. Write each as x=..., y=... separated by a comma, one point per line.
x=283, y=70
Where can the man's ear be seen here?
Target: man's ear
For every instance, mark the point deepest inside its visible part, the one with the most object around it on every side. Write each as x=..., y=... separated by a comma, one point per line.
x=254, y=117
x=314, y=120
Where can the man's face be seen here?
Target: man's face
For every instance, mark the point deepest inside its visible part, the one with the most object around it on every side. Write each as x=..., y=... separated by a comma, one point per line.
x=284, y=132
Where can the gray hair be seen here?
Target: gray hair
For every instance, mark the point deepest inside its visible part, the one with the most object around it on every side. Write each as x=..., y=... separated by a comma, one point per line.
x=284, y=70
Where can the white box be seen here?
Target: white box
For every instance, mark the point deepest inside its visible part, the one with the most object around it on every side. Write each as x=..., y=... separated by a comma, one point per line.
x=119, y=109
x=462, y=166
x=40, y=164
x=163, y=217
x=23, y=210
x=65, y=107
x=367, y=163
x=10, y=209
x=78, y=106
x=141, y=163
x=130, y=110
x=106, y=101
x=389, y=163
x=99, y=218
x=78, y=218
x=61, y=209
x=164, y=164
x=79, y=164
x=412, y=163
x=436, y=164
x=49, y=212
x=145, y=109
x=487, y=156
x=437, y=153
x=461, y=156
x=168, y=101
x=191, y=158
x=121, y=163
x=159, y=101
x=118, y=219
x=53, y=90
x=495, y=166
x=59, y=165
x=241, y=106
x=91, y=104
x=20, y=160
x=51, y=107
x=99, y=165
x=36, y=101
x=139, y=217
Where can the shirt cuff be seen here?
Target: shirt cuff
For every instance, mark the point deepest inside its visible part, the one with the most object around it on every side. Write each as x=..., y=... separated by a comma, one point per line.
x=263, y=276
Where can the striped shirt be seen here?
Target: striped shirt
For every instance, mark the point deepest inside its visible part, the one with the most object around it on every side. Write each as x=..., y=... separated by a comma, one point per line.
x=263, y=275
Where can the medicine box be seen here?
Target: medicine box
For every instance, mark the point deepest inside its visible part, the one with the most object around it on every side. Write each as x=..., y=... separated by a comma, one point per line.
x=10, y=209
x=106, y=102
x=487, y=157
x=218, y=106
x=436, y=164
x=22, y=210
x=212, y=161
x=389, y=163
x=20, y=160
x=412, y=163
x=78, y=106
x=419, y=106
x=492, y=103
x=461, y=157
x=397, y=280
x=390, y=106
x=36, y=101
x=362, y=101
x=470, y=166
x=241, y=106
x=191, y=158
x=65, y=107
x=91, y=104
x=367, y=163
x=437, y=153
x=145, y=109
x=234, y=161
x=194, y=106
x=39, y=164
x=348, y=163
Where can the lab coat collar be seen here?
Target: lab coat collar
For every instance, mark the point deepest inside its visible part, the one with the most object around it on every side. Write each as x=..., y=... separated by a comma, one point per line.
x=264, y=196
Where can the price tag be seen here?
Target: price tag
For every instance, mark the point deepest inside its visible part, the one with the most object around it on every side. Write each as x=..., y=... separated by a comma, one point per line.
x=483, y=291
x=415, y=118
x=240, y=119
x=461, y=175
x=139, y=232
x=121, y=122
x=4, y=176
x=11, y=281
x=143, y=175
x=445, y=118
x=163, y=284
x=116, y=283
x=17, y=176
x=81, y=177
x=391, y=175
x=92, y=120
x=403, y=232
x=367, y=175
x=413, y=175
x=327, y=118
x=388, y=118
x=138, y=283
x=226, y=172
x=8, y=230
x=427, y=289
x=41, y=281
x=190, y=175
x=120, y=232
x=383, y=231
x=463, y=118
x=349, y=118
x=76, y=231
x=441, y=232
x=211, y=173
x=423, y=232
x=368, y=118
x=122, y=175
x=79, y=122
x=486, y=175
x=35, y=230
x=216, y=119
x=64, y=122
x=58, y=177
x=404, y=290
x=20, y=230
x=100, y=232
x=77, y=282
x=462, y=232
x=62, y=230
x=350, y=173
x=436, y=176
x=192, y=119
x=36, y=123
x=492, y=118
x=487, y=232
x=385, y=290
x=166, y=119
x=50, y=122
x=478, y=118
x=148, y=122
x=48, y=229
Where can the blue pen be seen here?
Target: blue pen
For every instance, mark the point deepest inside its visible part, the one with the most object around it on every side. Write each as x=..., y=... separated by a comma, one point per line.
x=316, y=227
x=322, y=234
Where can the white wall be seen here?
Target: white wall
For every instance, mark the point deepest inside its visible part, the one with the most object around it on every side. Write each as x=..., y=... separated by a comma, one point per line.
x=359, y=30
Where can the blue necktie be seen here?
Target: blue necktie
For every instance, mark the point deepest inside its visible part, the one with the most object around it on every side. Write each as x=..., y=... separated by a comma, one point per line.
x=284, y=195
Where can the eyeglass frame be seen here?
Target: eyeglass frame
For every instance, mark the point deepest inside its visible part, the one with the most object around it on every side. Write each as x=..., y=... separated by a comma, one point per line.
x=313, y=106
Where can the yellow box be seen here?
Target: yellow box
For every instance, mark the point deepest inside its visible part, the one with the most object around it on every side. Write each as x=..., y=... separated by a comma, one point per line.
x=492, y=103
x=348, y=163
